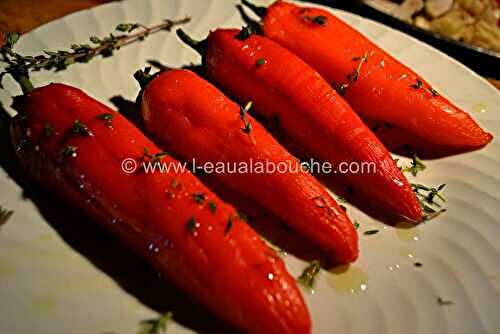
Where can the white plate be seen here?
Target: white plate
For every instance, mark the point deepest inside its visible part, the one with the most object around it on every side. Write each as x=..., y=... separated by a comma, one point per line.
x=60, y=277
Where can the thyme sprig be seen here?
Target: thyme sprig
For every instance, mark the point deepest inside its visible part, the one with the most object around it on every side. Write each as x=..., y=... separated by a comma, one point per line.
x=308, y=276
x=430, y=199
x=247, y=126
x=352, y=77
x=155, y=157
x=19, y=66
x=156, y=325
x=417, y=165
x=5, y=214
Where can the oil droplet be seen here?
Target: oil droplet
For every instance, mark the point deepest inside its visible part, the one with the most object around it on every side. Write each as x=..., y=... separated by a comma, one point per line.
x=116, y=220
x=407, y=232
x=44, y=305
x=347, y=279
x=153, y=248
x=270, y=276
x=479, y=107
x=406, y=252
x=398, y=182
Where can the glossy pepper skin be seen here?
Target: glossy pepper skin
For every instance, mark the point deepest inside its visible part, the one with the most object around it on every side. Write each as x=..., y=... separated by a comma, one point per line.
x=386, y=90
x=193, y=118
x=231, y=271
x=310, y=112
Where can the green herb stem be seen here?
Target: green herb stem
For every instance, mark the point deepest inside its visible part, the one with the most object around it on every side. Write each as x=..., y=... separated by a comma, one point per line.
x=19, y=66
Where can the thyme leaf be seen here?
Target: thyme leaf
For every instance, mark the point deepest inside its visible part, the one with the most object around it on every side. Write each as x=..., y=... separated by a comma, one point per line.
x=199, y=197
x=430, y=199
x=229, y=225
x=352, y=77
x=260, y=62
x=416, y=166
x=444, y=302
x=417, y=85
x=156, y=325
x=309, y=274
x=5, y=214
x=192, y=225
x=107, y=118
x=212, y=206
x=81, y=129
x=69, y=152
x=48, y=129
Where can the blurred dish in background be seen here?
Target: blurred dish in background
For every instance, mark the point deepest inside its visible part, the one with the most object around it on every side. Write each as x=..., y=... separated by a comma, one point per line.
x=476, y=22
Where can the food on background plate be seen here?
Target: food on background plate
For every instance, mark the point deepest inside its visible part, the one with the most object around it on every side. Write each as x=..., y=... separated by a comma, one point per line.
x=379, y=88
x=194, y=120
x=75, y=146
x=475, y=22
x=283, y=88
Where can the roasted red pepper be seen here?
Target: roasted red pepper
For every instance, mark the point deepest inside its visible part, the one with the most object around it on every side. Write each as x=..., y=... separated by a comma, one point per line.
x=254, y=68
x=196, y=121
x=376, y=85
x=74, y=146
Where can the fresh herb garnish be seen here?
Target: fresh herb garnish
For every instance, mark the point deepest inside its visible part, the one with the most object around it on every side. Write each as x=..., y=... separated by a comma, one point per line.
x=351, y=77
x=247, y=127
x=81, y=129
x=212, y=206
x=444, y=302
x=323, y=204
x=308, y=276
x=320, y=20
x=229, y=225
x=48, y=129
x=371, y=232
x=106, y=117
x=69, y=152
x=356, y=224
x=192, y=225
x=199, y=197
x=416, y=166
x=427, y=197
x=19, y=66
x=417, y=85
x=156, y=325
x=154, y=157
x=433, y=91
x=417, y=264
x=174, y=183
x=127, y=27
x=260, y=62
x=5, y=214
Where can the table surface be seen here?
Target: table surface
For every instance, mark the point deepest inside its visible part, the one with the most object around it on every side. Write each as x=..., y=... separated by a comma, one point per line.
x=25, y=15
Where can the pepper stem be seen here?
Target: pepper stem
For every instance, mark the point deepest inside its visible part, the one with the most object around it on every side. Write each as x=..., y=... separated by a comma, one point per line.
x=260, y=11
x=249, y=21
x=24, y=81
x=198, y=46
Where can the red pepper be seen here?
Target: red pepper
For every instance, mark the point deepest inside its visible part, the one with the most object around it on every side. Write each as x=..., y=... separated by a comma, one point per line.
x=385, y=90
x=310, y=112
x=227, y=268
x=196, y=121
